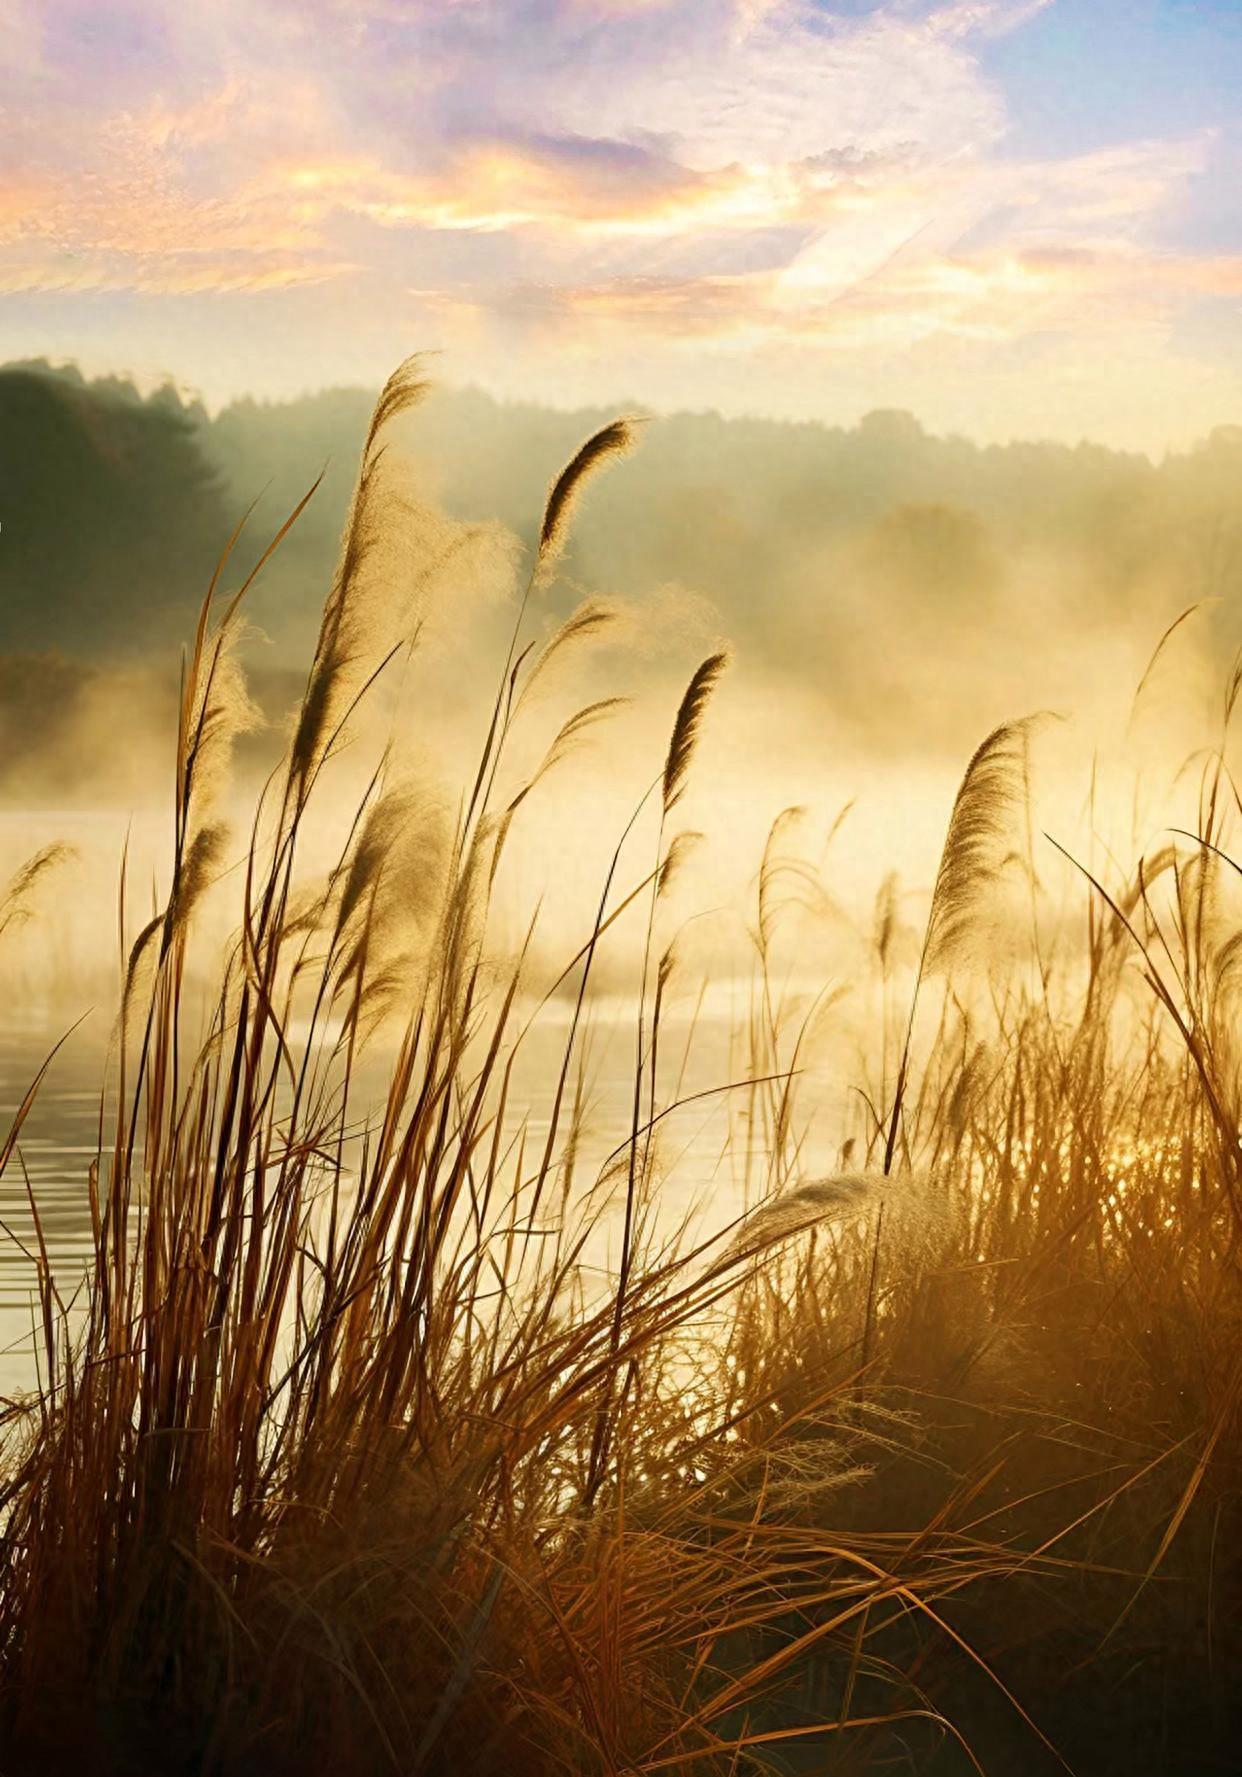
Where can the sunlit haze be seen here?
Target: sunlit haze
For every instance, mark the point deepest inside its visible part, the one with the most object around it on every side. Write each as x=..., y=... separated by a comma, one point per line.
x=1017, y=218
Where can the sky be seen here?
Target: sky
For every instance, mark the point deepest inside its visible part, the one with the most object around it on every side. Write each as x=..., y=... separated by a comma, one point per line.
x=1016, y=218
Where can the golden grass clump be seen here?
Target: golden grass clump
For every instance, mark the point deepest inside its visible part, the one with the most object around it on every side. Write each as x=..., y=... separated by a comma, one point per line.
x=372, y=1441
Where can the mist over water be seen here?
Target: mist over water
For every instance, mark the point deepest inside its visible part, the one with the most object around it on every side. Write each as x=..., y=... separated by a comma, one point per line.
x=887, y=596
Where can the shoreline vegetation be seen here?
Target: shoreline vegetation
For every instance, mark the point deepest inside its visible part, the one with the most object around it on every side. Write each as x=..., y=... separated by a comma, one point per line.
x=346, y=1455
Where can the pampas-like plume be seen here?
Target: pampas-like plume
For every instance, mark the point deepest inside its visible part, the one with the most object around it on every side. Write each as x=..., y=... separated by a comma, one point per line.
x=15, y=901
x=199, y=869
x=915, y=1215
x=686, y=727
x=976, y=844
x=340, y=650
x=1227, y=967
x=674, y=858
x=787, y=883
x=592, y=616
x=404, y=389
x=573, y=729
x=571, y=732
x=220, y=710
x=394, y=884
x=814, y=1201
x=612, y=441
x=788, y=817
x=394, y=901
x=886, y=918
x=377, y=836
x=975, y=852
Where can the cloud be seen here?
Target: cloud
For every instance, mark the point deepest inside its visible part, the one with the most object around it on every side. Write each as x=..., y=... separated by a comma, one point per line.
x=878, y=250
x=539, y=113
x=989, y=18
x=569, y=183
x=767, y=175
x=171, y=275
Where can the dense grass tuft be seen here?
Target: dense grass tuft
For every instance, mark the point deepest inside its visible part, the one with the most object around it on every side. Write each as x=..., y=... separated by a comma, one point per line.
x=347, y=1457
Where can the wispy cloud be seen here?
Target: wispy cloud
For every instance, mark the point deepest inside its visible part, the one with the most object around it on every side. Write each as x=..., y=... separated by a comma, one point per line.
x=991, y=18
x=748, y=174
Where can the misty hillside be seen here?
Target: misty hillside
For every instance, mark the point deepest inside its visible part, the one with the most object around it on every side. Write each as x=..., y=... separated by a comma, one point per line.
x=864, y=563
x=111, y=513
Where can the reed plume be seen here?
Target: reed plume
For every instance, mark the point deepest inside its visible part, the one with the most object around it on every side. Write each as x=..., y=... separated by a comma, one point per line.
x=592, y=617
x=978, y=842
x=686, y=728
x=886, y=920
x=15, y=899
x=610, y=441
x=976, y=849
x=674, y=859
x=803, y=1206
x=343, y=665
x=405, y=388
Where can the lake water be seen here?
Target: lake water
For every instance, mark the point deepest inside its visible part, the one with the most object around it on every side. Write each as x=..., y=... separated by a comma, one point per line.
x=703, y=1146
x=58, y=1141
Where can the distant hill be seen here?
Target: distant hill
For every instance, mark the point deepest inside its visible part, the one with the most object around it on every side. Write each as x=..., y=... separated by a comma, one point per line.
x=877, y=562
x=796, y=532
x=114, y=506
x=110, y=514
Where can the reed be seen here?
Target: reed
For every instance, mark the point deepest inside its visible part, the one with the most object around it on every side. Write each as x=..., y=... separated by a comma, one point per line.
x=344, y=1459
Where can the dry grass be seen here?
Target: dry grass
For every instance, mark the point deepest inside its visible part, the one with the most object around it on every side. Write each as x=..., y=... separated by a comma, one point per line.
x=343, y=1461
